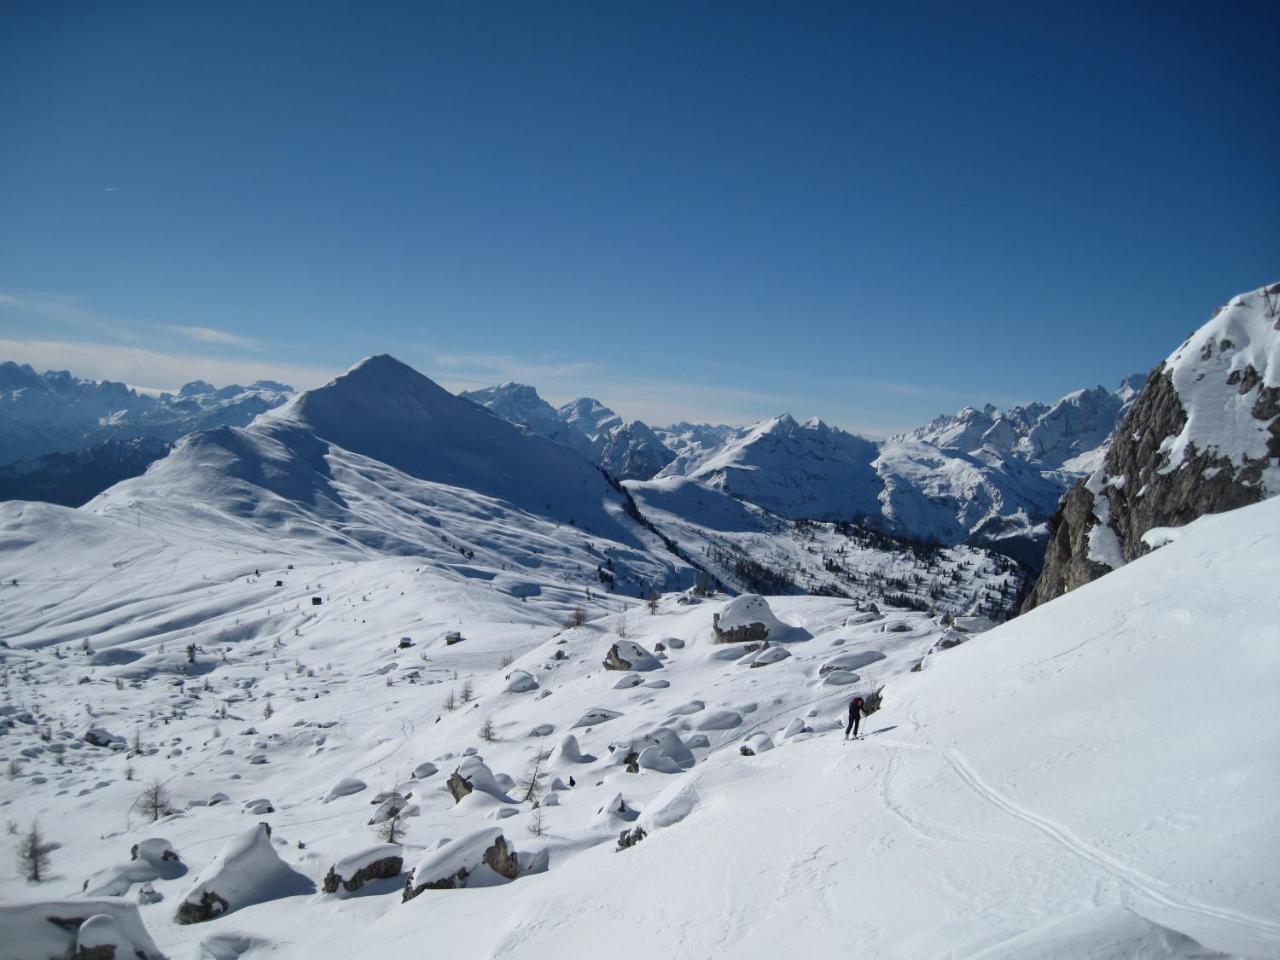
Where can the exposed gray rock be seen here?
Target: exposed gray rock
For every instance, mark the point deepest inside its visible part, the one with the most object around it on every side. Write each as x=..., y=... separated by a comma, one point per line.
x=459, y=786
x=1140, y=490
x=381, y=869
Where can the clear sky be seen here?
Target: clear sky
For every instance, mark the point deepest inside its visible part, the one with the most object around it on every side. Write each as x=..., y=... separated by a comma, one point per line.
x=870, y=212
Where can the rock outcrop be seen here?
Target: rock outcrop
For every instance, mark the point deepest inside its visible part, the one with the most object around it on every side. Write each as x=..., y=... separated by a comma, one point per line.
x=375, y=863
x=457, y=863
x=1202, y=437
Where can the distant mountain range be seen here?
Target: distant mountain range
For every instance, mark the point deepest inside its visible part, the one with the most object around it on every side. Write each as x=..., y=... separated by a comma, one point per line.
x=983, y=477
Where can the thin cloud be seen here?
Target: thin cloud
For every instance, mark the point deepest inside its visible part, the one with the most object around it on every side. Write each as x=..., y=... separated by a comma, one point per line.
x=216, y=337
x=67, y=311
x=500, y=368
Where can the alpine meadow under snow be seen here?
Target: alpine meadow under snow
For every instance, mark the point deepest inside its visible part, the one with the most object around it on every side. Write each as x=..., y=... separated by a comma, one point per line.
x=378, y=667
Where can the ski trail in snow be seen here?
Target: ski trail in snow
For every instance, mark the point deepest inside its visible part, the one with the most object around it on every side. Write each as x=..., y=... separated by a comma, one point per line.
x=1141, y=883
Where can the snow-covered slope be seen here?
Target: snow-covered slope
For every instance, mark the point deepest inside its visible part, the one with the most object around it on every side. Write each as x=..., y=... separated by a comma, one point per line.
x=1202, y=437
x=749, y=549
x=1032, y=794
x=55, y=412
x=1038, y=790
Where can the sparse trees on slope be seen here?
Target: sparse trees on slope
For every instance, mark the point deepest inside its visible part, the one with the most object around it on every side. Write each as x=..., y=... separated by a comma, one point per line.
x=393, y=829
x=33, y=854
x=154, y=801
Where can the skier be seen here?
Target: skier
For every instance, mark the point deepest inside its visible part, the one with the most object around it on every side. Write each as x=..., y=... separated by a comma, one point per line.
x=855, y=715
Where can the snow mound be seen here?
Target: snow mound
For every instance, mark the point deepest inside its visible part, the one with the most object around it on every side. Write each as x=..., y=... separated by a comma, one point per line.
x=597, y=715
x=568, y=751
x=748, y=617
x=52, y=928
x=520, y=681
x=345, y=788
x=246, y=871
x=480, y=859
x=1105, y=933
x=629, y=655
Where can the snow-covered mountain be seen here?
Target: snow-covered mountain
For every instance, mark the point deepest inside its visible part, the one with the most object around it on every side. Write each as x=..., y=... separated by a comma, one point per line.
x=1067, y=436
x=907, y=487
x=382, y=461
x=591, y=418
x=521, y=404
x=55, y=412
x=627, y=451
x=1203, y=436
x=633, y=451
x=798, y=470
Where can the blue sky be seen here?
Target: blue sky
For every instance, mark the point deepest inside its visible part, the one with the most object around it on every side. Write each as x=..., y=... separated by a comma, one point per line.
x=867, y=212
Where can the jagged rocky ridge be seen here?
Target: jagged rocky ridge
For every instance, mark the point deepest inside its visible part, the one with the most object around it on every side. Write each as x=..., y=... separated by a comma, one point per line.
x=55, y=412
x=1201, y=438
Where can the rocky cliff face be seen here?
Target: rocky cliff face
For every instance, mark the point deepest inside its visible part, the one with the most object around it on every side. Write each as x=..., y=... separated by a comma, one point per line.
x=1202, y=437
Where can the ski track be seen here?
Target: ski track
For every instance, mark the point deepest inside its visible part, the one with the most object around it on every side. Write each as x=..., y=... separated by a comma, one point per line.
x=1137, y=881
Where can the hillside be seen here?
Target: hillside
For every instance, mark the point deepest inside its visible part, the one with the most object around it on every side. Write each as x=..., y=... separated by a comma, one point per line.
x=1026, y=791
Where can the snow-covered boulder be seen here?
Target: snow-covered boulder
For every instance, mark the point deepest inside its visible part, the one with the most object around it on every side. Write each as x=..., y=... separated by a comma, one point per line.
x=424, y=770
x=479, y=859
x=747, y=618
x=568, y=751
x=101, y=938
x=851, y=661
x=378, y=862
x=756, y=743
x=796, y=727
x=720, y=720
x=629, y=655
x=520, y=681
x=628, y=681
x=840, y=678
x=597, y=715
x=615, y=815
x=474, y=775
x=51, y=929
x=97, y=736
x=344, y=788
x=246, y=871
x=660, y=750
x=152, y=859
x=767, y=656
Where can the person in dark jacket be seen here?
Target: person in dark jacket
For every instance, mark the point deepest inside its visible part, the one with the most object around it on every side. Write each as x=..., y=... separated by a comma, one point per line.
x=855, y=716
